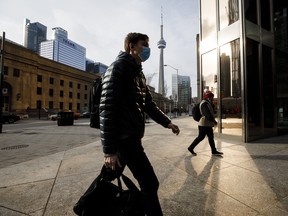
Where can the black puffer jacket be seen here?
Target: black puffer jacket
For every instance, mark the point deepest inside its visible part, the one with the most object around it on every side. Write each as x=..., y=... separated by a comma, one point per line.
x=125, y=99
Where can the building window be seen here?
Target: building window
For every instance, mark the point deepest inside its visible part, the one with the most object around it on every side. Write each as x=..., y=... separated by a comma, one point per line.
x=79, y=86
x=209, y=70
x=78, y=95
x=70, y=84
x=281, y=43
x=16, y=72
x=39, y=78
x=253, y=87
x=51, y=80
x=6, y=70
x=39, y=91
x=268, y=90
x=78, y=106
x=230, y=77
x=228, y=12
x=86, y=87
x=50, y=104
x=61, y=93
x=230, y=87
x=61, y=105
x=70, y=106
x=70, y=95
x=251, y=10
x=51, y=91
x=85, y=97
x=265, y=14
x=208, y=20
x=61, y=82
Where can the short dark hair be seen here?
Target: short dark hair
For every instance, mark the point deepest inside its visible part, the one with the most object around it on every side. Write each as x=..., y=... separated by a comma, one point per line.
x=133, y=38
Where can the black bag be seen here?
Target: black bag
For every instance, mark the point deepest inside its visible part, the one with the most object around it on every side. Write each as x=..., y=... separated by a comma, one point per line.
x=95, y=96
x=103, y=198
x=196, y=114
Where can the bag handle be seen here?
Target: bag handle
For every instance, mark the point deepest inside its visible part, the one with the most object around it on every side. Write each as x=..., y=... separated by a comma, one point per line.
x=110, y=175
x=129, y=183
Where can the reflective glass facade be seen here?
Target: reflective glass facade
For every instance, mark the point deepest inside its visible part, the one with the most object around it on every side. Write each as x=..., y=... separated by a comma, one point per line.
x=281, y=58
x=184, y=92
x=230, y=89
x=208, y=18
x=228, y=12
x=34, y=34
x=244, y=61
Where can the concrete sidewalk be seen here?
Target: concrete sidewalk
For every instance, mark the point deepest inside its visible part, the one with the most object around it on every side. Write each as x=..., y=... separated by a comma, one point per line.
x=250, y=179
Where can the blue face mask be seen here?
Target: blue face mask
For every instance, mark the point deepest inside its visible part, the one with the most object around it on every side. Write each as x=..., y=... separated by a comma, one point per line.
x=145, y=53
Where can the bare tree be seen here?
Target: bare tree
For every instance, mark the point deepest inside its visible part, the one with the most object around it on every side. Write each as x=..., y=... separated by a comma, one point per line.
x=149, y=78
x=166, y=88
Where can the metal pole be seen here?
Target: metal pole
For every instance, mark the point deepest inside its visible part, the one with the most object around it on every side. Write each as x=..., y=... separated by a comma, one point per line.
x=177, y=93
x=1, y=81
x=170, y=110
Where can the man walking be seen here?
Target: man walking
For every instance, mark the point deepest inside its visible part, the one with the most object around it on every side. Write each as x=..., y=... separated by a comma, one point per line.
x=206, y=124
x=124, y=101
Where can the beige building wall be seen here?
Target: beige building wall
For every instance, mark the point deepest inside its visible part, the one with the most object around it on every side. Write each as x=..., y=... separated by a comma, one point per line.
x=22, y=70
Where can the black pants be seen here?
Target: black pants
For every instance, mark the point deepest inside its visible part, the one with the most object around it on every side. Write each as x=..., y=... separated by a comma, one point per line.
x=203, y=131
x=132, y=154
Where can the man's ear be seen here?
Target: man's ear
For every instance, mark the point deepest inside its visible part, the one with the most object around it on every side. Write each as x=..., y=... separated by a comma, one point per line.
x=131, y=46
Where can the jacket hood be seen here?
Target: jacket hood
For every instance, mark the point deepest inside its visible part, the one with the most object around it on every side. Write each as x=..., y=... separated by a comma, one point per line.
x=129, y=59
x=126, y=56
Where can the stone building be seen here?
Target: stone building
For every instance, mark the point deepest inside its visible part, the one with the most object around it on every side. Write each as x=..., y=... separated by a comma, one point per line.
x=32, y=82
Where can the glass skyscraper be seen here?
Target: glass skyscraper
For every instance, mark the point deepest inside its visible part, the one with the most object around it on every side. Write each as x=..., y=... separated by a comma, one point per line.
x=181, y=88
x=243, y=60
x=63, y=50
x=34, y=34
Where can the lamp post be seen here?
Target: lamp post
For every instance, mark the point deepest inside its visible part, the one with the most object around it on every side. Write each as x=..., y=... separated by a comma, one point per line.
x=177, y=84
x=1, y=80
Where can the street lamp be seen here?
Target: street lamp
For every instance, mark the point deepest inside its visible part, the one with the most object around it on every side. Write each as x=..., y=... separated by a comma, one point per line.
x=2, y=52
x=176, y=86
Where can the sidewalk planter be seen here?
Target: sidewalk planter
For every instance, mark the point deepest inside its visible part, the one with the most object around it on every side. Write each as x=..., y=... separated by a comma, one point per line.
x=65, y=118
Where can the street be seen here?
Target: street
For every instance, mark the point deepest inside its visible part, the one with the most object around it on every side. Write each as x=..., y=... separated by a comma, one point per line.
x=27, y=123
x=44, y=137
x=23, y=124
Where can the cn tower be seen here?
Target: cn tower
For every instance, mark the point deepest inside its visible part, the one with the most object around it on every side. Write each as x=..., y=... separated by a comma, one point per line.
x=161, y=45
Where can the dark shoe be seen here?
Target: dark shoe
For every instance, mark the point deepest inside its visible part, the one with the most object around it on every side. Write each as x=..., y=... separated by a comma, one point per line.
x=192, y=151
x=217, y=153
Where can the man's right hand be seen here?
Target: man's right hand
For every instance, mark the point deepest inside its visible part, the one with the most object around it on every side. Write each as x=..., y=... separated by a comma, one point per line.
x=175, y=128
x=111, y=161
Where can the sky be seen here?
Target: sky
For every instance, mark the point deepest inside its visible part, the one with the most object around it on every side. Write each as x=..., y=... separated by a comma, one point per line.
x=101, y=26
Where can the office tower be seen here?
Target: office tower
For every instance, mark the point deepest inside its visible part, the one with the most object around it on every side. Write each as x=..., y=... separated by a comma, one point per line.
x=181, y=87
x=63, y=50
x=95, y=67
x=34, y=34
x=243, y=61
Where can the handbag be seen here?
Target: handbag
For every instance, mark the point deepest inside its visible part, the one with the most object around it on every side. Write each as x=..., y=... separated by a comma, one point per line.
x=103, y=197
